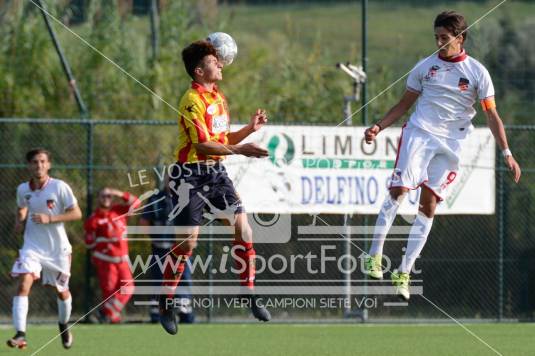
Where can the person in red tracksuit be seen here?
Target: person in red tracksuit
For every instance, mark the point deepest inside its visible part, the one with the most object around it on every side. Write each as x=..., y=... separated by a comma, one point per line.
x=105, y=235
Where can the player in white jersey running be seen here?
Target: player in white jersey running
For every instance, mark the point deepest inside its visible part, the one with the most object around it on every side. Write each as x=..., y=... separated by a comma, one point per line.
x=445, y=87
x=44, y=204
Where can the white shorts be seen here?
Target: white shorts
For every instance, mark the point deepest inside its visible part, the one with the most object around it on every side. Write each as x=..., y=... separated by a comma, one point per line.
x=425, y=160
x=53, y=270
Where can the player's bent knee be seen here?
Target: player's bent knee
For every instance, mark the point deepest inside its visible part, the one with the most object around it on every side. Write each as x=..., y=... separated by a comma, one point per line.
x=428, y=207
x=64, y=295
x=25, y=285
x=427, y=211
x=428, y=202
x=243, y=231
x=398, y=193
x=187, y=242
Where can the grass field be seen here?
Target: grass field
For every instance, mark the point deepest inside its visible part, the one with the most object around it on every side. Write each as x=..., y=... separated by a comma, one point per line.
x=285, y=339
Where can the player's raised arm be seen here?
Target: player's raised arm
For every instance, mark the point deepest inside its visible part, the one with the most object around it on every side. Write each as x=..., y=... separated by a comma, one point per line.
x=210, y=145
x=128, y=198
x=393, y=115
x=258, y=119
x=219, y=149
x=496, y=127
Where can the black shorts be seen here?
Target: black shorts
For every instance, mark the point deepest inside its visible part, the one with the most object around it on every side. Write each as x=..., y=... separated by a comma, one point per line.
x=210, y=190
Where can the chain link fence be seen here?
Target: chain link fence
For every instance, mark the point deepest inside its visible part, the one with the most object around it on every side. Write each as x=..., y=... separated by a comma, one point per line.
x=475, y=267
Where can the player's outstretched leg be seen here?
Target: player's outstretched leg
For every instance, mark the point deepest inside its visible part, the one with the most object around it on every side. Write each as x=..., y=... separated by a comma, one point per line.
x=174, y=265
x=245, y=262
x=245, y=254
x=373, y=261
x=401, y=281
x=417, y=238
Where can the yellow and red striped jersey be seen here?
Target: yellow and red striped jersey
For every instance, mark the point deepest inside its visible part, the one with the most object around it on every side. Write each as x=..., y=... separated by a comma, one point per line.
x=204, y=117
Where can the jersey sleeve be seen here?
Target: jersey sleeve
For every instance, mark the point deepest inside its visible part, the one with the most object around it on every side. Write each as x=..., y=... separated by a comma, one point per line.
x=414, y=81
x=67, y=196
x=124, y=208
x=485, y=88
x=21, y=201
x=192, y=113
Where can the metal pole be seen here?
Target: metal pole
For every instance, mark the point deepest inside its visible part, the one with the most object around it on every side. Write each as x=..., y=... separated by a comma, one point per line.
x=501, y=235
x=209, y=254
x=364, y=4
x=154, y=29
x=64, y=62
x=347, y=233
x=89, y=137
x=89, y=208
x=364, y=11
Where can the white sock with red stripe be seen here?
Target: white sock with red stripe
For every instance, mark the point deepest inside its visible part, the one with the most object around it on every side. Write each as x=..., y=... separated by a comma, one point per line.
x=64, y=310
x=20, y=312
x=384, y=223
x=417, y=238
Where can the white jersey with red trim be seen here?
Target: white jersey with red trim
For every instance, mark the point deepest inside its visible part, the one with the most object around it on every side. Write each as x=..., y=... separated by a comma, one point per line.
x=53, y=198
x=448, y=91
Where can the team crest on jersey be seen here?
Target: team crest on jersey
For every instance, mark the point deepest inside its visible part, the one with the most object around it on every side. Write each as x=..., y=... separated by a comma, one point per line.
x=27, y=197
x=212, y=109
x=50, y=203
x=432, y=72
x=220, y=124
x=463, y=84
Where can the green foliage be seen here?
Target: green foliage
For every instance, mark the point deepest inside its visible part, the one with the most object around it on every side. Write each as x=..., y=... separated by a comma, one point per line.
x=285, y=62
x=511, y=59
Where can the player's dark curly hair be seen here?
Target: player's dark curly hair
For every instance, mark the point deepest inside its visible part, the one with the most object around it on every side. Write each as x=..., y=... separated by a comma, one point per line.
x=452, y=21
x=193, y=54
x=35, y=151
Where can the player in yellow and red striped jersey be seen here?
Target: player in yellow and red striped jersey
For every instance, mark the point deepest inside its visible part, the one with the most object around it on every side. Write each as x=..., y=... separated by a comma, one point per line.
x=204, y=117
x=198, y=180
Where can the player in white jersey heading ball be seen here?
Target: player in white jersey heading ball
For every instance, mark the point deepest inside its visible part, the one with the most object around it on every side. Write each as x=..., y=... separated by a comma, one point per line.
x=445, y=87
x=44, y=204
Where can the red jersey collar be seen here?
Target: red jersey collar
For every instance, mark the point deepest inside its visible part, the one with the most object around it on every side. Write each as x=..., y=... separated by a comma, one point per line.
x=201, y=89
x=458, y=58
x=33, y=187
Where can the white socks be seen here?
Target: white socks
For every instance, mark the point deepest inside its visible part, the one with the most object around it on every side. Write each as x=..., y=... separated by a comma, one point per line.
x=417, y=239
x=384, y=223
x=20, y=312
x=64, y=310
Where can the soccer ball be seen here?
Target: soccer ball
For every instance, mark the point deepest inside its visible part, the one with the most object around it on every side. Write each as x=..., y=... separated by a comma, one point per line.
x=224, y=45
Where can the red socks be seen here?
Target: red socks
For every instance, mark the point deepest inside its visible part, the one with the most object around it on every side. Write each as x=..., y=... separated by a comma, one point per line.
x=246, y=254
x=173, y=269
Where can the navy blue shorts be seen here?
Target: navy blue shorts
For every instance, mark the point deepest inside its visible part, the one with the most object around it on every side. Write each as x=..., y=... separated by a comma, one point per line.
x=202, y=189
